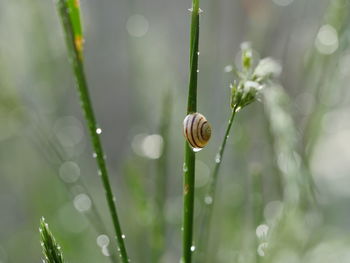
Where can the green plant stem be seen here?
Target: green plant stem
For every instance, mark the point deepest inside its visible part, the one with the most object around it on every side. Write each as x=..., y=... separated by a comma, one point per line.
x=209, y=204
x=190, y=159
x=86, y=104
x=257, y=206
x=159, y=231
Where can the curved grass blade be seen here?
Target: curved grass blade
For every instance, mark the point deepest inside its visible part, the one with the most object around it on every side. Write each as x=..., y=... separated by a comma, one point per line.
x=75, y=53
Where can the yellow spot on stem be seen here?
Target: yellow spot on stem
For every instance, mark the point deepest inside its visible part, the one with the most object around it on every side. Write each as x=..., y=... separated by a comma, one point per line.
x=77, y=3
x=78, y=41
x=186, y=189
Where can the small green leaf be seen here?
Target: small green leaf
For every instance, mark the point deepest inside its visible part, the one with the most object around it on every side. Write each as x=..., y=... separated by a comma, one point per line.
x=51, y=249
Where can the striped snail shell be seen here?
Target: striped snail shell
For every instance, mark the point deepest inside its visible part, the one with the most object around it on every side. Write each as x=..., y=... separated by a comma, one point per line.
x=197, y=130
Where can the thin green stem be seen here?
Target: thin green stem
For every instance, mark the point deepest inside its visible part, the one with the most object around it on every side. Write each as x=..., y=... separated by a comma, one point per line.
x=190, y=159
x=210, y=196
x=159, y=231
x=77, y=63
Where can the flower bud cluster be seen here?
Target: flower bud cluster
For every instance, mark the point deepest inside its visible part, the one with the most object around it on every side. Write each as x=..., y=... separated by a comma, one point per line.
x=252, y=79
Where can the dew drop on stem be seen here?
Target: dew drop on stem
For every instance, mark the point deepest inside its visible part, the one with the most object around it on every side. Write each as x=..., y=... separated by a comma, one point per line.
x=197, y=149
x=218, y=158
x=184, y=168
x=208, y=200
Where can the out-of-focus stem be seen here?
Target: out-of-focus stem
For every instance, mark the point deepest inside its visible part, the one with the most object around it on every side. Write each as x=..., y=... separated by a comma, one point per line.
x=210, y=196
x=159, y=231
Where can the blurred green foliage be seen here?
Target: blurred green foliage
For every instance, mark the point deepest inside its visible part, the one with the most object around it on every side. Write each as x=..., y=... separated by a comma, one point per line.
x=137, y=51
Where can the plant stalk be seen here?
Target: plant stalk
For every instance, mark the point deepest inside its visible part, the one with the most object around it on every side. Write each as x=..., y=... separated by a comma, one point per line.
x=210, y=196
x=159, y=231
x=51, y=249
x=190, y=159
x=77, y=64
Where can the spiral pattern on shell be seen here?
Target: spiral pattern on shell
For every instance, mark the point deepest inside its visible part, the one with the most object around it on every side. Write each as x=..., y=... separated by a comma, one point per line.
x=197, y=130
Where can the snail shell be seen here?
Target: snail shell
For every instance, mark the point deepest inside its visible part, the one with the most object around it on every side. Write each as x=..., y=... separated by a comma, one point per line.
x=197, y=130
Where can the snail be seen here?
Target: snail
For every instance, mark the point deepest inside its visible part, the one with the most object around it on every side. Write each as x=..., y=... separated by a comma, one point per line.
x=197, y=130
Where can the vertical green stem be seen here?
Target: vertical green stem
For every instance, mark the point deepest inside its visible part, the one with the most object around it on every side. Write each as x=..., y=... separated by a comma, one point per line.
x=190, y=159
x=77, y=63
x=257, y=207
x=159, y=231
x=210, y=196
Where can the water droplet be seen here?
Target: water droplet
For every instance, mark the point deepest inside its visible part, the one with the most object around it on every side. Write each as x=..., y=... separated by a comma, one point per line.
x=261, y=231
x=228, y=68
x=197, y=149
x=208, y=200
x=137, y=25
x=327, y=41
x=94, y=155
x=193, y=248
x=105, y=251
x=198, y=53
x=184, y=168
x=197, y=70
x=102, y=240
x=261, y=249
x=152, y=146
x=69, y=131
x=123, y=236
x=82, y=202
x=218, y=158
x=98, y=130
x=99, y=173
x=69, y=172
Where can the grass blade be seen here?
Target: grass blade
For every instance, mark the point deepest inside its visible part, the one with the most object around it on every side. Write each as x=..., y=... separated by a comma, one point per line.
x=190, y=159
x=159, y=231
x=75, y=53
x=51, y=249
x=210, y=196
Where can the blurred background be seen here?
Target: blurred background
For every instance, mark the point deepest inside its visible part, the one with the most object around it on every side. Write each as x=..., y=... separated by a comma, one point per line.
x=136, y=60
